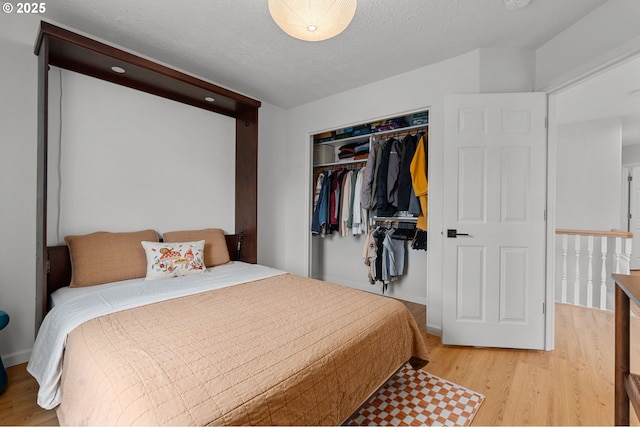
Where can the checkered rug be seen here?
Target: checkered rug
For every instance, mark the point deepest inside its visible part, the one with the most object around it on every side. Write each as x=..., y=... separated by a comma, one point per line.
x=418, y=398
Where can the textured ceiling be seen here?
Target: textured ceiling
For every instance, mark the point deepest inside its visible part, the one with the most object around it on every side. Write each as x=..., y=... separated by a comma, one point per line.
x=236, y=44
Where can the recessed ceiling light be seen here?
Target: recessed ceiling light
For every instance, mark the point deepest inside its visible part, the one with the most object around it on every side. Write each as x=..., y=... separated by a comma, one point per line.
x=118, y=70
x=635, y=93
x=209, y=99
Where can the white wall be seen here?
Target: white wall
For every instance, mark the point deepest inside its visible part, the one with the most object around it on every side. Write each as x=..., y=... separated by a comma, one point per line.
x=18, y=136
x=506, y=70
x=630, y=154
x=133, y=161
x=588, y=196
x=272, y=191
x=602, y=37
x=589, y=169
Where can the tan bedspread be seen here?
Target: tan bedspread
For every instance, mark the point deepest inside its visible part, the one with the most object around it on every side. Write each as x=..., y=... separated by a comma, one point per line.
x=277, y=351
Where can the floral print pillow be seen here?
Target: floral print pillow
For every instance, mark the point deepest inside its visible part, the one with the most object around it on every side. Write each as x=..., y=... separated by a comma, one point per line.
x=173, y=259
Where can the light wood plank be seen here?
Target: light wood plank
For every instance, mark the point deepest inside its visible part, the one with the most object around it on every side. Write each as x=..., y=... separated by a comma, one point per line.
x=18, y=402
x=571, y=385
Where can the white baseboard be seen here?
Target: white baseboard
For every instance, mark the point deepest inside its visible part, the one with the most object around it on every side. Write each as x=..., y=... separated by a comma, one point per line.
x=16, y=358
x=434, y=331
x=377, y=289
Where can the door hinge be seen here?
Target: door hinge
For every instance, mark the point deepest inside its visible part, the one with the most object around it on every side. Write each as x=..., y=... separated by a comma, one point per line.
x=629, y=216
x=546, y=122
x=544, y=311
x=629, y=177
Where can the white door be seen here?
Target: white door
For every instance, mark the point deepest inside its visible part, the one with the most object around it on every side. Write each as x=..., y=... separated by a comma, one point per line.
x=634, y=221
x=494, y=213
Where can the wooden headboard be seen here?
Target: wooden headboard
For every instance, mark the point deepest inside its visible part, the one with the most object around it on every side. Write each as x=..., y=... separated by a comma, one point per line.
x=59, y=265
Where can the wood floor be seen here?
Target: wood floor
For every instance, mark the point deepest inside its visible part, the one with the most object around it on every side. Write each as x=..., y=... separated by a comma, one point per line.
x=572, y=385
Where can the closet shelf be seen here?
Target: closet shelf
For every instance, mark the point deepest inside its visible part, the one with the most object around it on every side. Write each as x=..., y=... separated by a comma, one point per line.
x=346, y=163
x=399, y=130
x=375, y=135
x=343, y=141
x=395, y=218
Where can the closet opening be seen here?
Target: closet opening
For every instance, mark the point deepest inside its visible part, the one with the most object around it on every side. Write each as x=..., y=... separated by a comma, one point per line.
x=369, y=205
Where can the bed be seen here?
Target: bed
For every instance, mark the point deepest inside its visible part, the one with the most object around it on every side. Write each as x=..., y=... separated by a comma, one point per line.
x=236, y=344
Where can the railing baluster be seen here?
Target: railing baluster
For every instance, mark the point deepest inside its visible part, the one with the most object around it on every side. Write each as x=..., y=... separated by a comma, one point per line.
x=603, y=273
x=576, y=283
x=615, y=257
x=627, y=255
x=565, y=239
x=590, y=272
x=618, y=253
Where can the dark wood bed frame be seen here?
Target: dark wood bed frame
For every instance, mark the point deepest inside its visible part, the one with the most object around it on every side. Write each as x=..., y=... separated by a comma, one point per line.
x=68, y=50
x=59, y=269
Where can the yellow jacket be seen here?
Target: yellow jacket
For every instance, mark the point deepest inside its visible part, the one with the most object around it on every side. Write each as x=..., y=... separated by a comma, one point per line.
x=419, y=180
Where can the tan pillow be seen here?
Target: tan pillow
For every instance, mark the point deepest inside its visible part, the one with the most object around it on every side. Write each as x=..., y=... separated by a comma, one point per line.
x=215, y=245
x=105, y=257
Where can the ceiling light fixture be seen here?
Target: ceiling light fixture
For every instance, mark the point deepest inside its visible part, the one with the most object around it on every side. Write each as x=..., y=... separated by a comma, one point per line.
x=209, y=99
x=118, y=70
x=515, y=4
x=312, y=20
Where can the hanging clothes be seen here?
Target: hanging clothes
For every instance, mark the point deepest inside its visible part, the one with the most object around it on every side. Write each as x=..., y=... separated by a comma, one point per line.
x=404, y=231
x=394, y=255
x=354, y=182
x=374, y=184
x=378, y=238
x=369, y=254
x=333, y=202
x=316, y=221
x=368, y=175
x=345, y=203
x=419, y=180
x=356, y=225
x=419, y=242
x=404, y=178
x=337, y=203
x=318, y=189
x=393, y=172
x=383, y=207
x=384, y=256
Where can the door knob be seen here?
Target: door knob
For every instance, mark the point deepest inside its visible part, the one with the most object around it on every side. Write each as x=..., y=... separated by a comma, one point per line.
x=453, y=233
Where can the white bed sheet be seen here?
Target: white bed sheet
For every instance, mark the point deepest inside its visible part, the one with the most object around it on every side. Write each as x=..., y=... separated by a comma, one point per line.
x=77, y=305
x=67, y=293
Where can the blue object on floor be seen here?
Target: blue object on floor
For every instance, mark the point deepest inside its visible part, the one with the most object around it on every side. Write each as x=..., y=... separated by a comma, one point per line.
x=4, y=378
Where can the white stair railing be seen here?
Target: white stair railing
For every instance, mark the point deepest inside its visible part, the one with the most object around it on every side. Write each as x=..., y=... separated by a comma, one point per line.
x=615, y=255
x=603, y=272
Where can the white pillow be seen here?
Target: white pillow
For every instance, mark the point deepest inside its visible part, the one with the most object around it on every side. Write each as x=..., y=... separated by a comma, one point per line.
x=173, y=259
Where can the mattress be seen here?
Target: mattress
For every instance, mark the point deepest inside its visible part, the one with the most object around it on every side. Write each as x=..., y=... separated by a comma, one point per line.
x=274, y=350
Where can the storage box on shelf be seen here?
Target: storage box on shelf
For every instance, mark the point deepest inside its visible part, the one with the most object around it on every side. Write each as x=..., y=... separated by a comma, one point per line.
x=419, y=118
x=323, y=154
x=324, y=137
